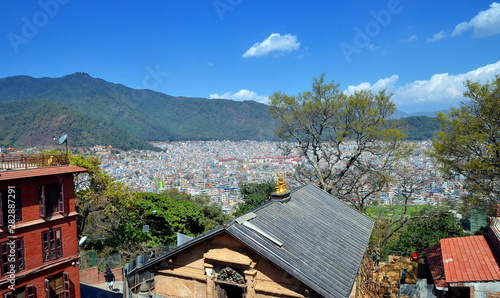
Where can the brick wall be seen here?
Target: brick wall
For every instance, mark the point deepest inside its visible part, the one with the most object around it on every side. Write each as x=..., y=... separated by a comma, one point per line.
x=92, y=275
x=29, y=193
x=31, y=228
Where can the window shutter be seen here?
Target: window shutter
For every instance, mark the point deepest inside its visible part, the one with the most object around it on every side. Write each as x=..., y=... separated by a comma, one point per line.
x=30, y=292
x=47, y=288
x=20, y=253
x=58, y=240
x=61, y=200
x=1, y=211
x=45, y=246
x=66, y=288
x=42, y=201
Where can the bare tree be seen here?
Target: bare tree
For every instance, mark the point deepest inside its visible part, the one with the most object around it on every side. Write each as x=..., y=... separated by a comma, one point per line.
x=346, y=141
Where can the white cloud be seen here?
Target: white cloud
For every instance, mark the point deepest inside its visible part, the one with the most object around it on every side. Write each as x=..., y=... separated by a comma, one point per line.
x=274, y=43
x=443, y=88
x=386, y=83
x=412, y=38
x=438, y=36
x=440, y=91
x=485, y=23
x=242, y=95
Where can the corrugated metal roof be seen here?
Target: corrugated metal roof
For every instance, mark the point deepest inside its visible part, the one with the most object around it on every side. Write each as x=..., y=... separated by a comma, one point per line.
x=468, y=259
x=435, y=259
x=323, y=239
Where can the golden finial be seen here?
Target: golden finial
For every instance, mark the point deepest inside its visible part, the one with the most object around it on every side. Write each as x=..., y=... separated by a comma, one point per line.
x=281, y=185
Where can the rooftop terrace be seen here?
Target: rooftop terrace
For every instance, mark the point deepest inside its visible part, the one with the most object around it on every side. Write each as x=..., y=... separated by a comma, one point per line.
x=10, y=162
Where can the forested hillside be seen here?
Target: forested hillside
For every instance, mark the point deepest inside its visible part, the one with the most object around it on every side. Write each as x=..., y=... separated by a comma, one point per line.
x=95, y=112
x=38, y=122
x=147, y=115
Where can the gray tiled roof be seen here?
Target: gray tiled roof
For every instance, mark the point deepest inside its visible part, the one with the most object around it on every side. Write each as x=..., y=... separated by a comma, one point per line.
x=323, y=239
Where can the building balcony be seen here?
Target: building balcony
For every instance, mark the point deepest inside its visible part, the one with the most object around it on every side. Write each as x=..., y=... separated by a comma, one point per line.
x=31, y=161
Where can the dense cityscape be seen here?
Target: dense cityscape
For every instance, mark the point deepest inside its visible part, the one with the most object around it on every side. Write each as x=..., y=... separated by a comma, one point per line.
x=216, y=168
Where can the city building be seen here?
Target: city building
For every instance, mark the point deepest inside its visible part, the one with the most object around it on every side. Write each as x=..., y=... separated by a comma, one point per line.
x=38, y=233
x=301, y=243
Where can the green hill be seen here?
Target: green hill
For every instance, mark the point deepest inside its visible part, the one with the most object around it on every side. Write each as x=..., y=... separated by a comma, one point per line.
x=146, y=114
x=38, y=122
x=95, y=112
x=419, y=128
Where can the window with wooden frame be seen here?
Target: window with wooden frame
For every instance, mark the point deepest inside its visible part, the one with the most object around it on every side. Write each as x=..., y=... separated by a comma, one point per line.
x=57, y=286
x=12, y=256
x=22, y=292
x=52, y=245
x=10, y=206
x=51, y=199
x=229, y=282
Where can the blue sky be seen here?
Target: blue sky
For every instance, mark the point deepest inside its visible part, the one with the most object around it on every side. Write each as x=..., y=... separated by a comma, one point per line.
x=420, y=50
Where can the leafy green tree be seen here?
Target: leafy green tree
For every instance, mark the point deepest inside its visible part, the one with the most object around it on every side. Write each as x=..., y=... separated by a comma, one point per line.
x=468, y=143
x=254, y=195
x=166, y=214
x=346, y=140
x=113, y=217
x=214, y=216
x=393, y=217
x=98, y=198
x=426, y=229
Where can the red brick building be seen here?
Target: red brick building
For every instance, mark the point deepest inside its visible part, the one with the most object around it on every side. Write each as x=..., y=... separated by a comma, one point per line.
x=38, y=234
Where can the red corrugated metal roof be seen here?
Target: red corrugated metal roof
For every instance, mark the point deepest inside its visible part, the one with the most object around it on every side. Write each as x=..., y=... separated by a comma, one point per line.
x=19, y=174
x=469, y=259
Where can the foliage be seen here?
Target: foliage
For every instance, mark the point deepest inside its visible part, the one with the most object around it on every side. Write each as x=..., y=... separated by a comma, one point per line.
x=389, y=220
x=468, y=143
x=112, y=217
x=345, y=139
x=426, y=229
x=98, y=198
x=254, y=195
x=166, y=215
x=405, y=182
x=214, y=216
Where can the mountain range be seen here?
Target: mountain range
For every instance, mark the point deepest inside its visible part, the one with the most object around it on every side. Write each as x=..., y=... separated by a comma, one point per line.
x=91, y=110
x=34, y=111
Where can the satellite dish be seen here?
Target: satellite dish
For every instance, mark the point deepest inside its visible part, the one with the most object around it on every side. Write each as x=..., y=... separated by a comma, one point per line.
x=82, y=240
x=63, y=139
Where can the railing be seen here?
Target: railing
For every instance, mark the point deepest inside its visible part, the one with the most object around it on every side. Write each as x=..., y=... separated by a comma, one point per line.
x=29, y=161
